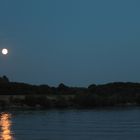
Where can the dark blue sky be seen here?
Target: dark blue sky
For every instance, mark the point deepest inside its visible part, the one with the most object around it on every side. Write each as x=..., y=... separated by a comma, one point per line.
x=77, y=42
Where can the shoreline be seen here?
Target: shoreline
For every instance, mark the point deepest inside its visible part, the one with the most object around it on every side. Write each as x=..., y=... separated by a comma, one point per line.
x=23, y=95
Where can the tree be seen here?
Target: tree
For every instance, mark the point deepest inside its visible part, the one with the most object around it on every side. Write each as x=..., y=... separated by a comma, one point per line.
x=5, y=78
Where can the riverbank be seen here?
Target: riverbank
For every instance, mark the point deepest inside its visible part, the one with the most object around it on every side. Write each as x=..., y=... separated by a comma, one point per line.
x=22, y=95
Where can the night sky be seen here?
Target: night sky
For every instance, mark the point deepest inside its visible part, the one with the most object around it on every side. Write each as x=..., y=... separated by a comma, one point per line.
x=76, y=42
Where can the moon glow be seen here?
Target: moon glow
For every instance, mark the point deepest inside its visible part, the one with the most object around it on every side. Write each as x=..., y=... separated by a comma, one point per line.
x=4, y=51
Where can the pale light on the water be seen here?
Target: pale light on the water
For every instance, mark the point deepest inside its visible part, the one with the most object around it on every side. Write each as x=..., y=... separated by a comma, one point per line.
x=5, y=127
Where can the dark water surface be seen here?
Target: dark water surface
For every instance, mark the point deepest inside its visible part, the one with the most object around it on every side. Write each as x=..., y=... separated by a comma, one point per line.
x=106, y=124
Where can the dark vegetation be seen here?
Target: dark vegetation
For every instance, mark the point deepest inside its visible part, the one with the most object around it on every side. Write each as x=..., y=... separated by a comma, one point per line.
x=21, y=95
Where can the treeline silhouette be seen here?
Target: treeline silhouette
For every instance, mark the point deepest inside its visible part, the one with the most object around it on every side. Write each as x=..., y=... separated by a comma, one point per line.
x=22, y=95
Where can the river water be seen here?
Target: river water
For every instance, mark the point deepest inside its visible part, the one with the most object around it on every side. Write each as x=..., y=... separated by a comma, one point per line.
x=97, y=124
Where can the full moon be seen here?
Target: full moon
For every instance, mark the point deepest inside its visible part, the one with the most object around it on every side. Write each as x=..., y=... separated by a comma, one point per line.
x=4, y=51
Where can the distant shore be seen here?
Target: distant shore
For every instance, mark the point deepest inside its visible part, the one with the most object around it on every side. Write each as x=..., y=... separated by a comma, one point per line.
x=25, y=96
